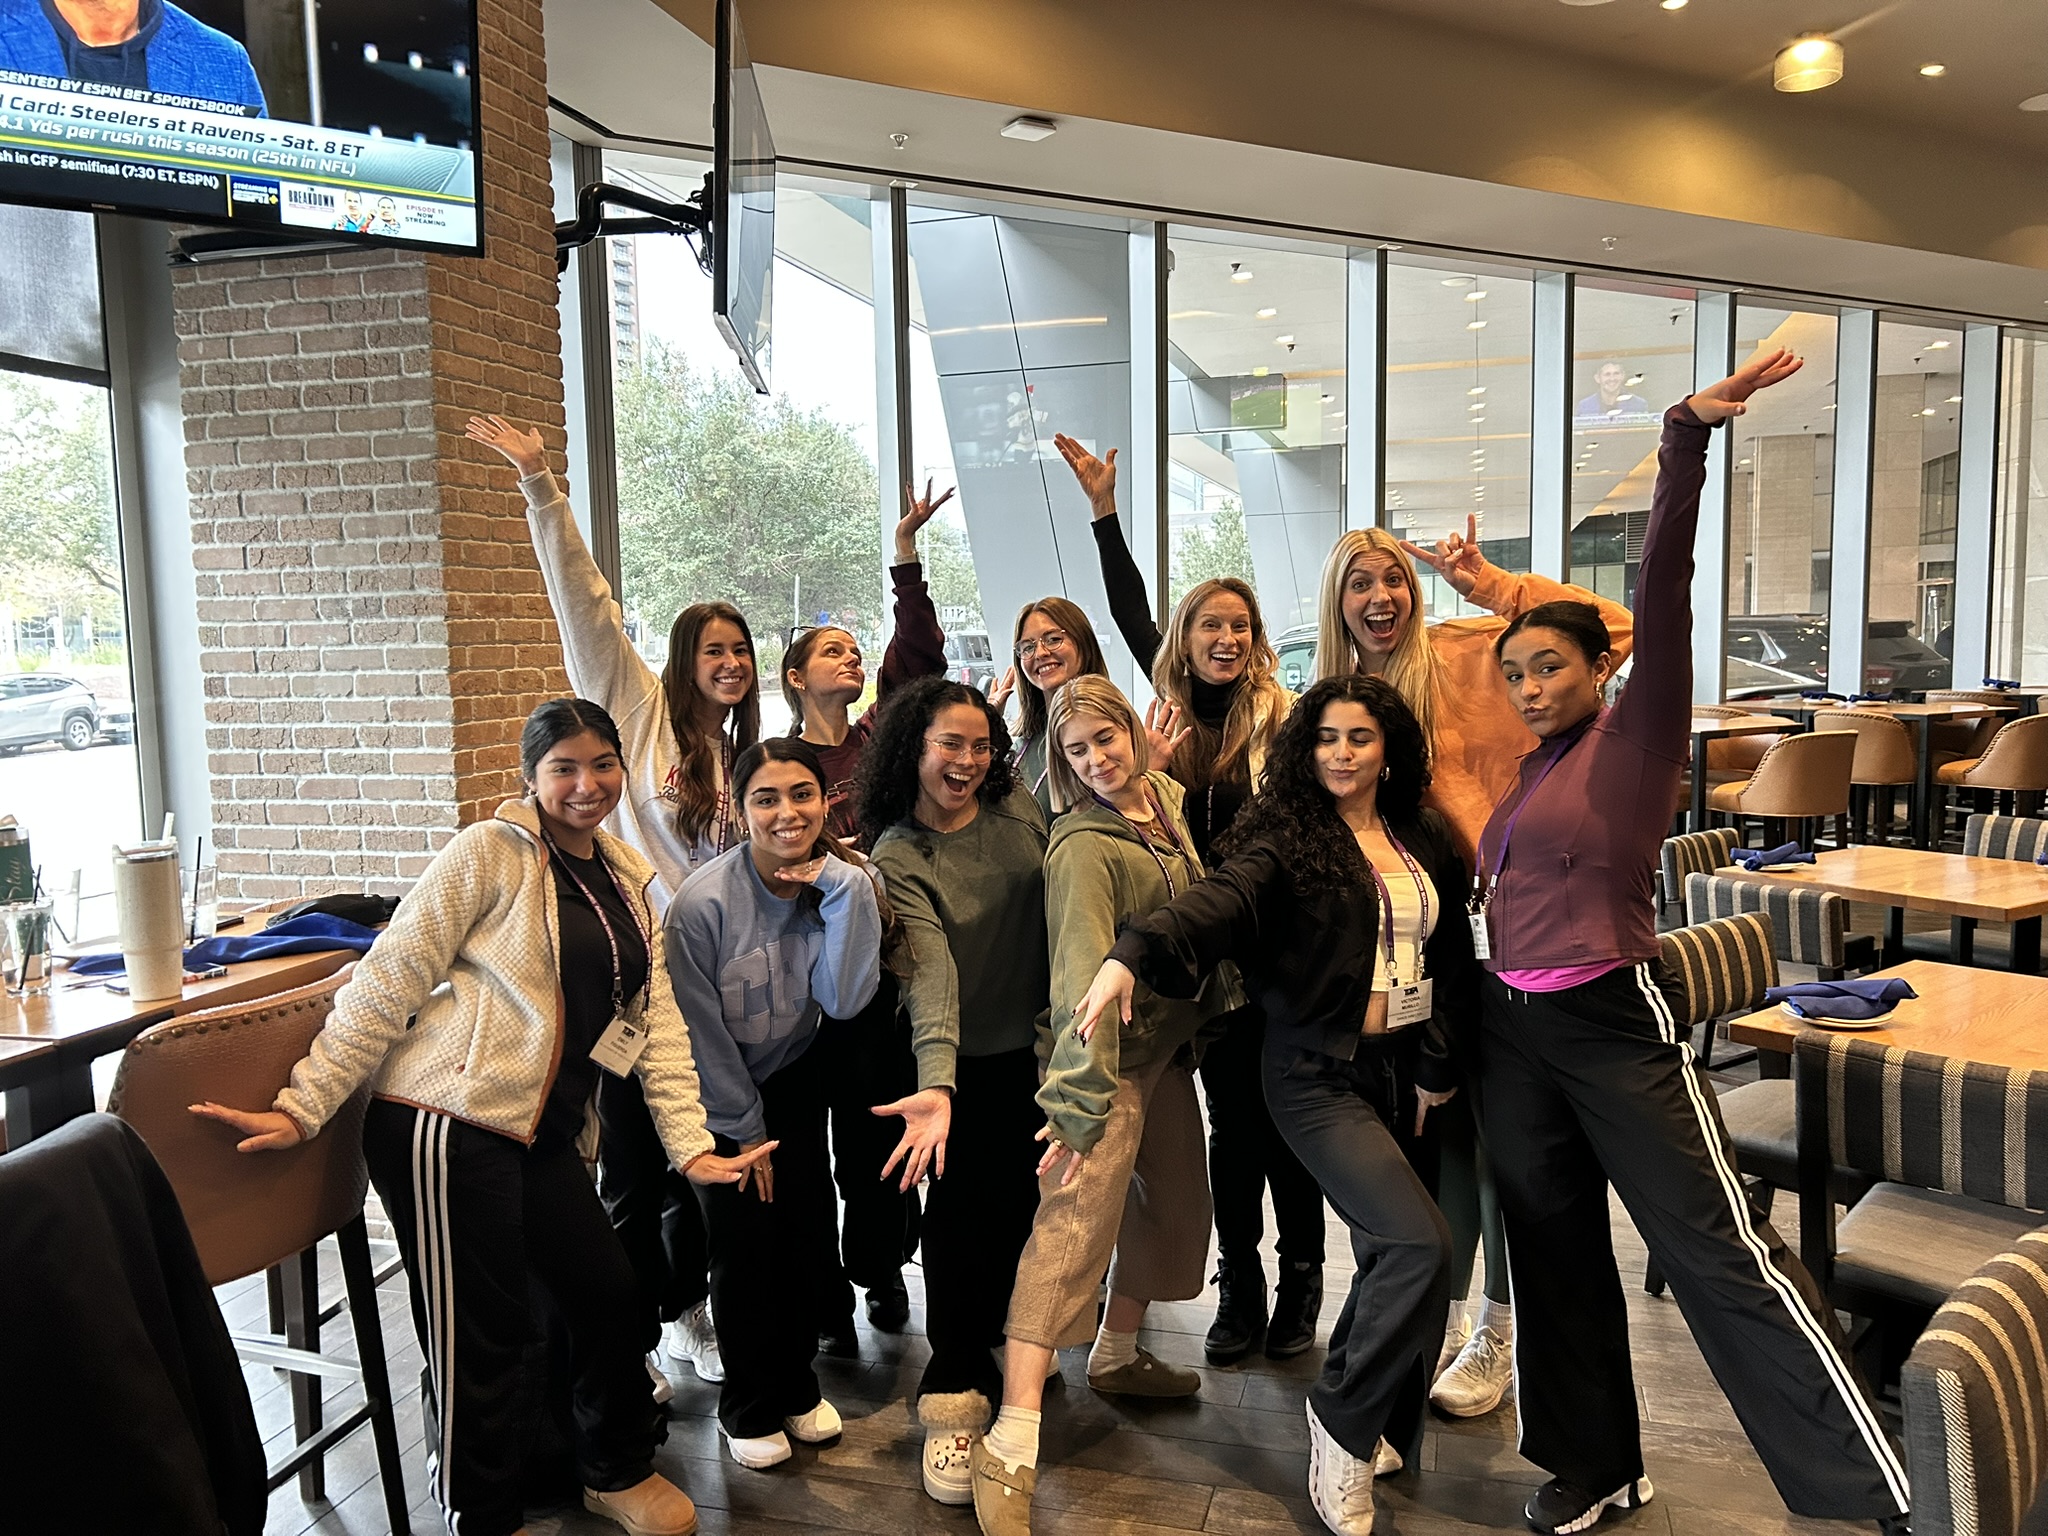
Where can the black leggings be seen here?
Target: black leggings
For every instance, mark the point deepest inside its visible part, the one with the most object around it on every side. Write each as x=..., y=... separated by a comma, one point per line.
x=1248, y=1155
x=650, y=1204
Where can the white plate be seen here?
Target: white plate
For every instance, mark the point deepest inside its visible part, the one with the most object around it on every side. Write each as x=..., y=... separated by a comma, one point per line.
x=1790, y=1012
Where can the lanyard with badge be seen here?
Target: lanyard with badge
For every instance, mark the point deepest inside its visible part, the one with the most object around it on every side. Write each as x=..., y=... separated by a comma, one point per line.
x=1159, y=820
x=619, y=1047
x=1483, y=884
x=1407, y=1002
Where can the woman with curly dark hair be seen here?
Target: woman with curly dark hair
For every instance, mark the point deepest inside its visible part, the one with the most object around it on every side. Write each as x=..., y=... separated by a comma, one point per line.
x=961, y=848
x=1339, y=900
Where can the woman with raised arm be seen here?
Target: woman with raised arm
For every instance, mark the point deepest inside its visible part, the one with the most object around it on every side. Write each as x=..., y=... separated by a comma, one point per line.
x=1370, y=620
x=525, y=966
x=1585, y=1080
x=961, y=848
x=1214, y=669
x=866, y=1059
x=1122, y=1171
x=1337, y=899
x=763, y=943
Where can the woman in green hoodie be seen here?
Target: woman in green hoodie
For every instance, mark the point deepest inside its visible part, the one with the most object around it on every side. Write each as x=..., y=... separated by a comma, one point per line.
x=1123, y=1168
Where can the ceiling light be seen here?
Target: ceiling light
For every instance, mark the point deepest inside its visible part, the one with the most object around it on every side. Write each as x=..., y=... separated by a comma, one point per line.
x=1267, y=314
x=1953, y=400
x=1585, y=2
x=415, y=61
x=1283, y=341
x=1632, y=379
x=1739, y=463
x=1452, y=282
x=1261, y=371
x=1327, y=399
x=1238, y=274
x=1936, y=346
x=1934, y=71
x=370, y=54
x=1476, y=405
x=2035, y=103
x=1476, y=389
x=1477, y=419
x=1672, y=5
x=1811, y=64
x=1475, y=325
x=1928, y=412
x=1030, y=129
x=1475, y=295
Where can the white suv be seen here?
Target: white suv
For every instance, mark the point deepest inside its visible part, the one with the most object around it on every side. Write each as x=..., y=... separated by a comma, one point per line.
x=36, y=707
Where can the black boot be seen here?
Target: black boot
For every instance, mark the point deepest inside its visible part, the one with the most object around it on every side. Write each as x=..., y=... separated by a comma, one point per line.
x=1240, y=1312
x=889, y=1304
x=1297, y=1307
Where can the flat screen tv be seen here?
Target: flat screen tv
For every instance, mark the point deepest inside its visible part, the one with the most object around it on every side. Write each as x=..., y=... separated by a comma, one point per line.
x=742, y=203
x=350, y=120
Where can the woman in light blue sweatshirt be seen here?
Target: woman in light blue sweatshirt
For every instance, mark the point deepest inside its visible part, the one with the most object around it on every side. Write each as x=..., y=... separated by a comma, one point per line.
x=762, y=942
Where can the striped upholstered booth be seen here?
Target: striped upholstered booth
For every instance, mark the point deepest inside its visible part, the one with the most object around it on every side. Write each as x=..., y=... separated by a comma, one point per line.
x=1808, y=927
x=1985, y=836
x=1693, y=853
x=1975, y=1390
x=1960, y=1150
x=2006, y=837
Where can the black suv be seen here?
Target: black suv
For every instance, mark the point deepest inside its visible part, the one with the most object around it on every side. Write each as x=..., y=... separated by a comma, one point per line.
x=1894, y=658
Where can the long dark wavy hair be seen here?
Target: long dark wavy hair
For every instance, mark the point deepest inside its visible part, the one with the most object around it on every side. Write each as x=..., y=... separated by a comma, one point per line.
x=888, y=768
x=1294, y=811
x=698, y=753
x=794, y=749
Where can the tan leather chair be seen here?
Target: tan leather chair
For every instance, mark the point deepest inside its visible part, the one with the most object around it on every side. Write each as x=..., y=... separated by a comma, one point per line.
x=1729, y=758
x=269, y=1211
x=2015, y=763
x=1964, y=738
x=1886, y=757
x=1802, y=778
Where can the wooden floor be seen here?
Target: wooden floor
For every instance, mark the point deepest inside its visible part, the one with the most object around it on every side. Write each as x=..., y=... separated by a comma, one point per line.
x=1233, y=1460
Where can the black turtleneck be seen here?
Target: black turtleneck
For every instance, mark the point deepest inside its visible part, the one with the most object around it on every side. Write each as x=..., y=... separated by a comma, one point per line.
x=1215, y=805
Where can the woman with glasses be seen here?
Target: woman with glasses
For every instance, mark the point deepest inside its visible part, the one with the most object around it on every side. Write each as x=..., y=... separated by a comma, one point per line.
x=1214, y=667
x=866, y=1059
x=681, y=731
x=1122, y=1171
x=961, y=849
x=1054, y=644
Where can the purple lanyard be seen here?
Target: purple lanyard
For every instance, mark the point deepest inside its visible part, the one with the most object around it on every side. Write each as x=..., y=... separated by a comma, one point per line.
x=1387, y=904
x=611, y=938
x=1500, y=858
x=1159, y=819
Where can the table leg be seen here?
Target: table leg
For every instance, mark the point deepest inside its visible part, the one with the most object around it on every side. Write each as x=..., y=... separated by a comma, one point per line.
x=1923, y=785
x=1894, y=936
x=2026, y=947
x=1962, y=936
x=1698, y=823
x=43, y=1103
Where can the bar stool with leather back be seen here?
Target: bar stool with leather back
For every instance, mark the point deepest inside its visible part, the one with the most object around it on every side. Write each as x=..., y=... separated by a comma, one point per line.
x=2015, y=765
x=248, y=1214
x=1803, y=778
x=1885, y=760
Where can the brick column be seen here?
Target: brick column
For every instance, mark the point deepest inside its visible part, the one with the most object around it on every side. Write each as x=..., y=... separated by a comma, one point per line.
x=373, y=629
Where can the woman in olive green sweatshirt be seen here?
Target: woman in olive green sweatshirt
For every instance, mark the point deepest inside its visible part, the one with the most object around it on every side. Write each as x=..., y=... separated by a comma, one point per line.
x=1124, y=1168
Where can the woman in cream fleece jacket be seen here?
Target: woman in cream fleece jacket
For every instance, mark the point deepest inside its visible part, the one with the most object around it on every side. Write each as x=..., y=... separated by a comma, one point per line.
x=524, y=964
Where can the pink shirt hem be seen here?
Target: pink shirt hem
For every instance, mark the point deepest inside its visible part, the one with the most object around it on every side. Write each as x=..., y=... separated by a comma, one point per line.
x=1555, y=978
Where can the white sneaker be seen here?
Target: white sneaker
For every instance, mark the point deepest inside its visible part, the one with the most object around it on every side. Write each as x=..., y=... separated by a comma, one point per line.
x=822, y=1423
x=949, y=1466
x=1456, y=1332
x=1386, y=1461
x=1478, y=1379
x=761, y=1451
x=1339, y=1484
x=690, y=1340
x=663, y=1388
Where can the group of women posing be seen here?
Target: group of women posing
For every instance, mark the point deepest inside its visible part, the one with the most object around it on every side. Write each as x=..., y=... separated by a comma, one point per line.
x=1398, y=919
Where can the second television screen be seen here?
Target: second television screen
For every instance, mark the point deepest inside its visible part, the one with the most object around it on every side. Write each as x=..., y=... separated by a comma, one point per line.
x=348, y=118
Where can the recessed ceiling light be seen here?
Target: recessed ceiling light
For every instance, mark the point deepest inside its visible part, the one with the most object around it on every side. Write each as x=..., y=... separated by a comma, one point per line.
x=1475, y=325
x=1930, y=411
x=1268, y=313
x=1811, y=64
x=1477, y=419
x=1283, y=341
x=1740, y=462
x=1475, y=295
x=1261, y=371
x=1953, y=400
x=1030, y=129
x=1585, y=2
x=1453, y=282
x=1672, y=5
x=1327, y=399
x=2035, y=103
x=1934, y=71
x=1936, y=346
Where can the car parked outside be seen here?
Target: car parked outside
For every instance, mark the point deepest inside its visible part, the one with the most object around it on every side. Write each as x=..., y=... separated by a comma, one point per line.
x=969, y=659
x=36, y=707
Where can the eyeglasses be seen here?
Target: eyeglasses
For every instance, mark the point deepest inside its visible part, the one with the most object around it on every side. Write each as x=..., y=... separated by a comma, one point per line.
x=955, y=746
x=1051, y=640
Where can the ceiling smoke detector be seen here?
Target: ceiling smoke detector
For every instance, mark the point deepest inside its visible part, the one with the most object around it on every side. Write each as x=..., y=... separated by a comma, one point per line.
x=1030, y=129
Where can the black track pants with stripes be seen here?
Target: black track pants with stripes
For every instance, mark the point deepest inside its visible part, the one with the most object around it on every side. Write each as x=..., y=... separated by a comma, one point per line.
x=475, y=1213
x=1591, y=1085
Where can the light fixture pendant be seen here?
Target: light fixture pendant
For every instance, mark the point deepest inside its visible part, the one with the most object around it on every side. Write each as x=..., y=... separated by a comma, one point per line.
x=1811, y=64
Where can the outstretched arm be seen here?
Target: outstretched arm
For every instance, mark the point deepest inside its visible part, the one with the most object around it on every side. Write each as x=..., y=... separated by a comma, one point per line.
x=1508, y=594
x=917, y=646
x=1129, y=607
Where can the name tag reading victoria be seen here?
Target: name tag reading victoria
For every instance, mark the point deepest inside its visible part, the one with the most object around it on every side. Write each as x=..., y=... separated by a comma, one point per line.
x=619, y=1047
x=1409, y=1004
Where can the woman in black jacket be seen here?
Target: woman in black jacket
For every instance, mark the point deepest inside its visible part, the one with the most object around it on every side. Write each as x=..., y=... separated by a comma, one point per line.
x=1341, y=901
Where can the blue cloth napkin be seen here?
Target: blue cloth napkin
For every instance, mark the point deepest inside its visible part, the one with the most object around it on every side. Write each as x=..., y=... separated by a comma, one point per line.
x=1870, y=997
x=1821, y=693
x=1753, y=859
x=2002, y=684
x=300, y=936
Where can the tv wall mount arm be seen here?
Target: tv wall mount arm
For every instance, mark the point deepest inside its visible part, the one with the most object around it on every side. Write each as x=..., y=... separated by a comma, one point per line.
x=691, y=220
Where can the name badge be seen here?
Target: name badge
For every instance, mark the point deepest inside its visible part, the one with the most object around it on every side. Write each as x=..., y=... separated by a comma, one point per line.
x=619, y=1047
x=1410, y=1004
x=1482, y=948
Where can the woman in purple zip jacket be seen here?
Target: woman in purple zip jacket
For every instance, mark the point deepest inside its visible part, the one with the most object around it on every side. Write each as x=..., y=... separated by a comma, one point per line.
x=1584, y=1078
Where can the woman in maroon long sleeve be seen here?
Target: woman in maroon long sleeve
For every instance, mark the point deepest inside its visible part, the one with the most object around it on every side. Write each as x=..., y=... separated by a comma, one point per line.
x=1583, y=1077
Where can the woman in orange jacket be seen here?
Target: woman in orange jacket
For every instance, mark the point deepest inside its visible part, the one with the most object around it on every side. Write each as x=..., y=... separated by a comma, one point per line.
x=1370, y=619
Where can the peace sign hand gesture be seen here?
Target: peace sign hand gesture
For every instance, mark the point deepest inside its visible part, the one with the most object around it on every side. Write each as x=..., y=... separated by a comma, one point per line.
x=1718, y=402
x=1456, y=557
x=1097, y=477
x=913, y=521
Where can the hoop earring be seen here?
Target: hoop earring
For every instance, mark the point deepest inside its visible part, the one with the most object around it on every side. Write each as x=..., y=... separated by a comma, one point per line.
x=1386, y=773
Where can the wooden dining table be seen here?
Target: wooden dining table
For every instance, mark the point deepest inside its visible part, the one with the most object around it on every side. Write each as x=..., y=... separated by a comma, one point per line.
x=1993, y=1017
x=1965, y=890
x=48, y=1043
x=1706, y=728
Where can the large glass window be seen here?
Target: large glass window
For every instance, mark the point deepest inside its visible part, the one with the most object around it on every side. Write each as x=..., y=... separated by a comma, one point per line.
x=2019, y=550
x=1255, y=413
x=1916, y=462
x=1631, y=357
x=68, y=770
x=1781, y=501
x=1458, y=408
